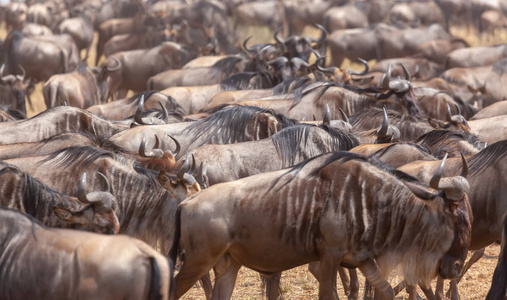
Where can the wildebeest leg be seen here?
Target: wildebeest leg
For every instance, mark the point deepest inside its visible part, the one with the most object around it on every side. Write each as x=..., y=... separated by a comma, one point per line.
x=354, y=285
x=314, y=268
x=206, y=286
x=453, y=287
x=345, y=280
x=412, y=292
x=428, y=292
x=271, y=283
x=372, y=273
x=193, y=269
x=226, y=272
x=400, y=287
x=439, y=289
x=327, y=276
x=368, y=291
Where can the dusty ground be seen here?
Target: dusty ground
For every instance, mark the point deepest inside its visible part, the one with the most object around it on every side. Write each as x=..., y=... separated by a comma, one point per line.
x=298, y=283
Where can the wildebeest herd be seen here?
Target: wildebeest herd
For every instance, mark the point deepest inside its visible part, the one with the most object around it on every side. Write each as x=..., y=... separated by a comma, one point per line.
x=233, y=153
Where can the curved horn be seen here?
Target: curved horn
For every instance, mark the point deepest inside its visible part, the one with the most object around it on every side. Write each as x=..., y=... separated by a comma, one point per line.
x=118, y=65
x=298, y=62
x=438, y=174
x=457, y=108
x=387, y=78
x=344, y=115
x=448, y=114
x=249, y=50
x=276, y=37
x=178, y=146
x=108, y=186
x=382, y=131
x=464, y=168
x=142, y=147
x=184, y=168
x=323, y=33
x=407, y=74
x=2, y=70
x=22, y=77
x=157, y=142
x=326, y=70
x=139, y=111
x=327, y=116
x=316, y=53
x=259, y=53
x=81, y=190
x=366, y=68
x=192, y=168
x=165, y=113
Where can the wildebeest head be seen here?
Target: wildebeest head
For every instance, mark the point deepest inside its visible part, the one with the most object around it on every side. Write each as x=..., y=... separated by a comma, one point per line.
x=456, y=205
x=13, y=91
x=296, y=46
x=158, y=159
x=456, y=121
x=183, y=184
x=98, y=213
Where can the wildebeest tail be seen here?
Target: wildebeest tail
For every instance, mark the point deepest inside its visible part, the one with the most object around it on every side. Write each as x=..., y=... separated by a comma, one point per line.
x=155, y=286
x=50, y=95
x=173, y=253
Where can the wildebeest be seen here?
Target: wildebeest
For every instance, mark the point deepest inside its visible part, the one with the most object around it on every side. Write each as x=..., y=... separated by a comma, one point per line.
x=81, y=30
x=54, y=121
x=487, y=190
x=275, y=221
x=135, y=67
x=13, y=92
x=475, y=56
x=147, y=199
x=70, y=264
x=81, y=88
x=40, y=59
x=124, y=108
x=291, y=145
x=15, y=15
x=91, y=211
x=229, y=125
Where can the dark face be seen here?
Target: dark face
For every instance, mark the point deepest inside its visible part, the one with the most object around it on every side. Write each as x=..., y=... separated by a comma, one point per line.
x=453, y=261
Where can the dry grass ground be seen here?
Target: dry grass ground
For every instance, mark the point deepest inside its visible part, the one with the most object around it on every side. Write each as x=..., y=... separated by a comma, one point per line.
x=298, y=283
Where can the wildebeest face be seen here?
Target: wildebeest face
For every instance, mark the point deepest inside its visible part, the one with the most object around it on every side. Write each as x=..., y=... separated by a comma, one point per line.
x=90, y=219
x=453, y=261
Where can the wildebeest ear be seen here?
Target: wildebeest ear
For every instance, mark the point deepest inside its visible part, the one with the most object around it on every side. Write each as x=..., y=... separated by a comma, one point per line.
x=70, y=217
x=435, y=123
x=164, y=179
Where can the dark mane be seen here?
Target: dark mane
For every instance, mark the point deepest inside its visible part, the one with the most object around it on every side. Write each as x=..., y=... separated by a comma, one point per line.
x=38, y=198
x=78, y=156
x=290, y=84
x=228, y=124
x=343, y=157
x=238, y=81
x=437, y=137
x=410, y=126
x=346, y=140
x=225, y=65
x=291, y=140
x=488, y=157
